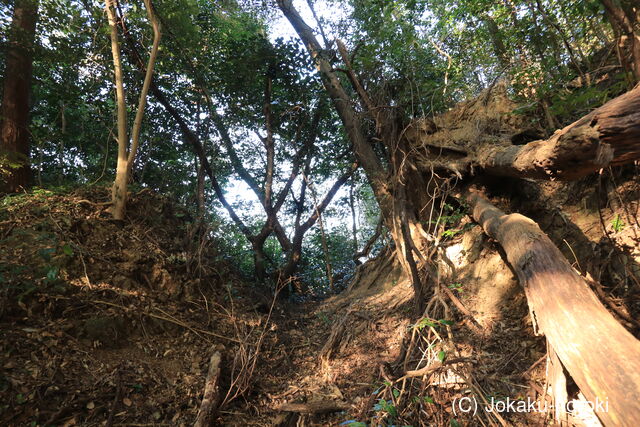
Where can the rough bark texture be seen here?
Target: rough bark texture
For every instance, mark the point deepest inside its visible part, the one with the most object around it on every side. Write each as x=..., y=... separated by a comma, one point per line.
x=14, y=135
x=602, y=357
x=211, y=396
x=608, y=136
x=624, y=20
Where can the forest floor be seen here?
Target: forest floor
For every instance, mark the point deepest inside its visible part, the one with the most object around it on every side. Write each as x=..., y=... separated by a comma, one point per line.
x=107, y=323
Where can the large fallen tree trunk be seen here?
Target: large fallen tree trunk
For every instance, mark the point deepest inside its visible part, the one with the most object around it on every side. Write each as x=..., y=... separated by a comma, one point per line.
x=602, y=357
x=608, y=136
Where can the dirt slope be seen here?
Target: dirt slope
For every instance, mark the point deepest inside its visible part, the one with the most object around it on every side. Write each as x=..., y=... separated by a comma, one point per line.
x=105, y=323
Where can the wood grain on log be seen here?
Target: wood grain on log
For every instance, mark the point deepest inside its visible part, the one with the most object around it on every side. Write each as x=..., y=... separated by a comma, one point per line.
x=601, y=356
x=608, y=136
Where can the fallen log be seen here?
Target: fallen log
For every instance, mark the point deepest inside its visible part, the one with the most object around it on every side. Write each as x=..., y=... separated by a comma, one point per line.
x=608, y=136
x=601, y=356
x=314, y=407
x=211, y=397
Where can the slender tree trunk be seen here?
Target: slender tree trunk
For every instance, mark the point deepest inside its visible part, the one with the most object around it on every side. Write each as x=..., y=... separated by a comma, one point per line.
x=126, y=157
x=142, y=101
x=295, y=253
x=259, y=257
x=354, y=224
x=119, y=189
x=499, y=48
x=323, y=236
x=269, y=147
x=376, y=174
x=200, y=196
x=553, y=23
x=14, y=134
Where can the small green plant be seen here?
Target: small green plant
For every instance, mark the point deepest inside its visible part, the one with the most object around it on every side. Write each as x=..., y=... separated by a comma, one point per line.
x=424, y=322
x=617, y=224
x=450, y=220
x=55, y=258
x=386, y=406
x=451, y=232
x=455, y=287
x=432, y=323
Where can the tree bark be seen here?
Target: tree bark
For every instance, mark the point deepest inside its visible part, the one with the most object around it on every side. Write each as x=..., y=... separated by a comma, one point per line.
x=624, y=20
x=126, y=155
x=369, y=245
x=14, y=134
x=211, y=397
x=608, y=136
x=295, y=254
x=499, y=49
x=602, y=357
x=376, y=174
x=354, y=223
x=142, y=101
x=200, y=195
x=387, y=185
x=119, y=189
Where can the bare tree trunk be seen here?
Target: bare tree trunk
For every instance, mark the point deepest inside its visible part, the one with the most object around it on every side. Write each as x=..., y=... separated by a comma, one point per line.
x=354, y=224
x=499, y=48
x=142, y=101
x=14, y=134
x=553, y=23
x=126, y=157
x=372, y=166
x=624, y=19
x=385, y=184
x=295, y=253
x=369, y=245
x=200, y=196
x=269, y=147
x=119, y=189
x=602, y=357
x=323, y=237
